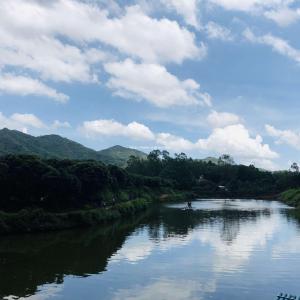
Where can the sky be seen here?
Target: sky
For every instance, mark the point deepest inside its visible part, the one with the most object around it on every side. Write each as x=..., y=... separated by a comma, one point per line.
x=203, y=77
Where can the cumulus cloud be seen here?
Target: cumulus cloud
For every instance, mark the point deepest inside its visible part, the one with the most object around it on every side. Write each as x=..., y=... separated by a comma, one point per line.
x=187, y=9
x=222, y=119
x=21, y=122
x=172, y=142
x=36, y=36
x=153, y=83
x=236, y=140
x=218, y=32
x=21, y=85
x=113, y=128
x=25, y=122
x=165, y=40
x=28, y=120
x=233, y=139
x=277, y=44
x=287, y=137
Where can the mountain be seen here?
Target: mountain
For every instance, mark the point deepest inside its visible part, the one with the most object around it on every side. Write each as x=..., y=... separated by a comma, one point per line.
x=55, y=146
x=16, y=142
x=119, y=155
x=64, y=148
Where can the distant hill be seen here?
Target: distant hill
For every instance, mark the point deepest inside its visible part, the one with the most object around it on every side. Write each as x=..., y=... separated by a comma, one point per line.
x=119, y=155
x=55, y=146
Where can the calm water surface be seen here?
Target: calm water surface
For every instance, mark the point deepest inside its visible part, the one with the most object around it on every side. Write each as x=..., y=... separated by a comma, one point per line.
x=222, y=249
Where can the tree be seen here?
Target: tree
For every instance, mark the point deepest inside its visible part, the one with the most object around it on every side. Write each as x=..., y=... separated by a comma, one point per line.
x=294, y=168
x=226, y=159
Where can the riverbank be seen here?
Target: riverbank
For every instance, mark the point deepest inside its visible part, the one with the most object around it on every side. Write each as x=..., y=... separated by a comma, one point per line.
x=39, y=220
x=36, y=220
x=291, y=197
x=31, y=220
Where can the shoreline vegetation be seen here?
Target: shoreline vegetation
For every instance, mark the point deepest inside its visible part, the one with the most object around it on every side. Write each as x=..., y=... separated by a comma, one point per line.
x=51, y=194
x=291, y=197
x=39, y=220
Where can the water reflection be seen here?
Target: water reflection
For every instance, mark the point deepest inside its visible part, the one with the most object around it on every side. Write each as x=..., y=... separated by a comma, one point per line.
x=32, y=260
x=221, y=249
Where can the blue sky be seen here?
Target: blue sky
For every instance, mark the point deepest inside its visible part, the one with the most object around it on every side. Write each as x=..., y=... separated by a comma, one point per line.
x=204, y=77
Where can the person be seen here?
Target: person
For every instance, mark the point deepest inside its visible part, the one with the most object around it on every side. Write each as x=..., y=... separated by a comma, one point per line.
x=189, y=205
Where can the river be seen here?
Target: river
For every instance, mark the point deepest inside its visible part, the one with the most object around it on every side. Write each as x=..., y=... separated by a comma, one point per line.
x=221, y=249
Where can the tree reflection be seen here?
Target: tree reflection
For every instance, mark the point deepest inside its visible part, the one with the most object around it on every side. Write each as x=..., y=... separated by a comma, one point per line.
x=28, y=261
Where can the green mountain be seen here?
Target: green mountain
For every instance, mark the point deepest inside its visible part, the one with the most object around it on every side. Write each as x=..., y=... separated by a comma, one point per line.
x=119, y=155
x=55, y=146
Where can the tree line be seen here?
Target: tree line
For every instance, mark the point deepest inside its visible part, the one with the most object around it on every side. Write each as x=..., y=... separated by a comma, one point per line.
x=224, y=177
x=29, y=181
x=61, y=185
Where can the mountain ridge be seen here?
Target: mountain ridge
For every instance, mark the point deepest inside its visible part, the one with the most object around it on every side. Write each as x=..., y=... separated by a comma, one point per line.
x=56, y=146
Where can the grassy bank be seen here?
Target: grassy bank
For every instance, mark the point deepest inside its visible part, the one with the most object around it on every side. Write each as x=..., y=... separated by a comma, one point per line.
x=35, y=220
x=291, y=197
x=38, y=219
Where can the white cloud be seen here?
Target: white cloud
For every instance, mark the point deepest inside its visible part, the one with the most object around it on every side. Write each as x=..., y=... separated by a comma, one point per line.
x=236, y=140
x=287, y=137
x=187, y=9
x=222, y=119
x=37, y=36
x=277, y=44
x=283, y=16
x=232, y=139
x=112, y=128
x=150, y=39
x=153, y=83
x=133, y=33
x=47, y=57
x=25, y=122
x=216, y=31
x=58, y=124
x=173, y=142
x=28, y=120
x=21, y=85
x=21, y=122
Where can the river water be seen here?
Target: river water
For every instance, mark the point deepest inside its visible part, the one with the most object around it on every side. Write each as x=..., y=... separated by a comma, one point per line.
x=221, y=249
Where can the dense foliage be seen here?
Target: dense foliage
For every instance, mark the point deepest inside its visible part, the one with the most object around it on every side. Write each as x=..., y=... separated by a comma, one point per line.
x=29, y=182
x=223, y=177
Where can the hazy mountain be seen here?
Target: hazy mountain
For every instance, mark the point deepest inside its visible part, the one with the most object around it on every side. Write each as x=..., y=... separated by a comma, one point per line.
x=55, y=146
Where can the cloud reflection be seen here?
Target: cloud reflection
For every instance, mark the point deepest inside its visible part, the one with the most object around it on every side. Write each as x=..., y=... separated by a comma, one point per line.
x=167, y=289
